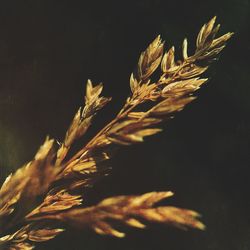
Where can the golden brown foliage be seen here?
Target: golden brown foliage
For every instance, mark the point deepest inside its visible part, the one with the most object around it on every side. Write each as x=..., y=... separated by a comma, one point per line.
x=58, y=180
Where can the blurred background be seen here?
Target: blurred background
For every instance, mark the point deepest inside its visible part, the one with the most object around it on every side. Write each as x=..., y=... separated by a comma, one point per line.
x=48, y=49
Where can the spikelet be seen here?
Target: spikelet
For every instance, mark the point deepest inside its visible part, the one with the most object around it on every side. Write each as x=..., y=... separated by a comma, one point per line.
x=150, y=59
x=130, y=210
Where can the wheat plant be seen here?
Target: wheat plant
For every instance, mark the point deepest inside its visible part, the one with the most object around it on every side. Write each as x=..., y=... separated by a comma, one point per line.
x=46, y=195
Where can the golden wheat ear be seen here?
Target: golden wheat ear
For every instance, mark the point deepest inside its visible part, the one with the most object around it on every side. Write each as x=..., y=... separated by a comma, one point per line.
x=58, y=180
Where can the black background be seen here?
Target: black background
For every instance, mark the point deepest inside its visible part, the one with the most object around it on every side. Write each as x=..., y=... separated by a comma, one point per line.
x=47, y=51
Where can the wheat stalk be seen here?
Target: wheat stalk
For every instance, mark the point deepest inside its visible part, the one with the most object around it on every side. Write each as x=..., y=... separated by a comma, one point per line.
x=59, y=181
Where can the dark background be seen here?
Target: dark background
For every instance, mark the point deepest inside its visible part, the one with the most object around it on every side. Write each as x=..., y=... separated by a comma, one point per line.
x=48, y=49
